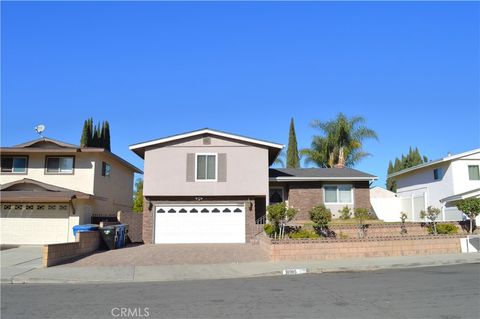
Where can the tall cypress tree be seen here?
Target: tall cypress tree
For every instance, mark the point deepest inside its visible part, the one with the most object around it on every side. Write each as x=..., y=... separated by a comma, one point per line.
x=107, y=136
x=391, y=185
x=84, y=137
x=413, y=158
x=90, y=132
x=95, y=135
x=293, y=160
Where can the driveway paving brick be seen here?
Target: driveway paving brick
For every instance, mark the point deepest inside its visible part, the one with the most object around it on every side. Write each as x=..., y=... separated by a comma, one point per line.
x=174, y=254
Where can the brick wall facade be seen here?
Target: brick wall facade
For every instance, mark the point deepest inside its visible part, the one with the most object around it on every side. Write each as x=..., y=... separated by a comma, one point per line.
x=340, y=249
x=134, y=221
x=304, y=196
x=361, y=195
x=147, y=222
x=56, y=254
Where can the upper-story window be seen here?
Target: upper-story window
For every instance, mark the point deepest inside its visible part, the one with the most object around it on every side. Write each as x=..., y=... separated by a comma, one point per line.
x=206, y=167
x=338, y=194
x=106, y=169
x=473, y=173
x=14, y=164
x=437, y=174
x=59, y=164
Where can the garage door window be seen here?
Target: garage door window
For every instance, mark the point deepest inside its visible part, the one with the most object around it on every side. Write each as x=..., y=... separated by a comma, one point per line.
x=206, y=167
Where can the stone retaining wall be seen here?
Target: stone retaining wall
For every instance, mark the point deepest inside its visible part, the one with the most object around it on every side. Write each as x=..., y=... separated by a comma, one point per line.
x=328, y=249
x=55, y=254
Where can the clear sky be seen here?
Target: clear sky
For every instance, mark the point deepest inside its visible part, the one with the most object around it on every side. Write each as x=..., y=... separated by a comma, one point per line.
x=154, y=69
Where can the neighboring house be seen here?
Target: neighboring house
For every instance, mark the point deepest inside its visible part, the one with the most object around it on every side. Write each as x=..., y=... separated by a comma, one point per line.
x=48, y=186
x=440, y=183
x=209, y=186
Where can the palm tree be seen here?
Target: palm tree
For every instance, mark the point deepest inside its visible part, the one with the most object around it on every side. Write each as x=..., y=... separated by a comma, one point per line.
x=340, y=143
x=280, y=160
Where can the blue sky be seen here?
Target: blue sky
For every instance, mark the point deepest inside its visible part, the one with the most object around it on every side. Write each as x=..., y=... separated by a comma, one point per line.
x=154, y=69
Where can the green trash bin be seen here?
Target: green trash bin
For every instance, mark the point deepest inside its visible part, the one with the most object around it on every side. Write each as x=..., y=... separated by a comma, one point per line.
x=109, y=236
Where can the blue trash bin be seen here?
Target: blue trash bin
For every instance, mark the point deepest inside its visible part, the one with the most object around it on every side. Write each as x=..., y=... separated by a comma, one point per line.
x=83, y=228
x=121, y=236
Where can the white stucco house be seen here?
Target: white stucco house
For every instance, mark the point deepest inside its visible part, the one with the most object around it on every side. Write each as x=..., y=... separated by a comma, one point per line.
x=48, y=186
x=440, y=183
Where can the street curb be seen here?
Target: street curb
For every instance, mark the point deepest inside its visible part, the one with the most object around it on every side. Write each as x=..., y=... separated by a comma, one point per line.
x=18, y=280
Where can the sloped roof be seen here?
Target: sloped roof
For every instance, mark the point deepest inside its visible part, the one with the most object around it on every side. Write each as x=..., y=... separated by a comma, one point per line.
x=318, y=174
x=44, y=193
x=441, y=160
x=62, y=147
x=468, y=194
x=274, y=148
x=47, y=139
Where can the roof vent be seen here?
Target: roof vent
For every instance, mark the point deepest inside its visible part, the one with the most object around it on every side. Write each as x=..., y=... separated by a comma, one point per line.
x=449, y=154
x=207, y=141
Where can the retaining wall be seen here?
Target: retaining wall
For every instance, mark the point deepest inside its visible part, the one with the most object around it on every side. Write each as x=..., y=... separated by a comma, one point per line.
x=55, y=254
x=328, y=249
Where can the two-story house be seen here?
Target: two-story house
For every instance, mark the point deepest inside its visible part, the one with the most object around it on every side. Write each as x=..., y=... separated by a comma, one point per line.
x=209, y=186
x=442, y=183
x=48, y=186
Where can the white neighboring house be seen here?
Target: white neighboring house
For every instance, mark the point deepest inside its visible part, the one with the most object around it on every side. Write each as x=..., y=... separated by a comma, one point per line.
x=441, y=183
x=48, y=186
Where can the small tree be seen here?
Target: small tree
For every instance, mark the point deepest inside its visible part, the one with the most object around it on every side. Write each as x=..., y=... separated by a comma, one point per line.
x=345, y=213
x=431, y=214
x=278, y=214
x=320, y=215
x=362, y=214
x=138, y=196
x=471, y=208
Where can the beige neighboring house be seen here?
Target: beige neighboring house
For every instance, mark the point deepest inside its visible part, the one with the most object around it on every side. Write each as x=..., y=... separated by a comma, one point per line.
x=48, y=186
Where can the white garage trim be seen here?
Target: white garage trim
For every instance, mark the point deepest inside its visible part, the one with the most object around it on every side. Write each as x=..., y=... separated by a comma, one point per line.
x=209, y=223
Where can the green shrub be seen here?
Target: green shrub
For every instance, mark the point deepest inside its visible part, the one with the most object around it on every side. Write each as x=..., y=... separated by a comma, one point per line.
x=444, y=229
x=320, y=215
x=302, y=233
x=345, y=213
x=278, y=213
x=269, y=229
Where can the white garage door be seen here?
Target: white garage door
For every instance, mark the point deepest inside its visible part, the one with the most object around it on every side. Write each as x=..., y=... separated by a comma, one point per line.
x=182, y=224
x=34, y=224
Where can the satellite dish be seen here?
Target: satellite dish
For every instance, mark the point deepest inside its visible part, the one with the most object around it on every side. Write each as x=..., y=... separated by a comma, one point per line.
x=39, y=129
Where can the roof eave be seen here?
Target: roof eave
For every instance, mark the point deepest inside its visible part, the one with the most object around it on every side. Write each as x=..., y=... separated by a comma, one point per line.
x=313, y=179
x=204, y=131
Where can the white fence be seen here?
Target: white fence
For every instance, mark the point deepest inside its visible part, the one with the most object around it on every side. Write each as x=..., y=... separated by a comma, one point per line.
x=389, y=209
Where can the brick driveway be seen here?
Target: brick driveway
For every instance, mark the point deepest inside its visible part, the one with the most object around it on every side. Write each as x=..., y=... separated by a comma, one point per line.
x=174, y=254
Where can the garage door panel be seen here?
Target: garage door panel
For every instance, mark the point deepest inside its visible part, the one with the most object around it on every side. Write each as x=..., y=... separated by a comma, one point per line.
x=200, y=224
x=34, y=224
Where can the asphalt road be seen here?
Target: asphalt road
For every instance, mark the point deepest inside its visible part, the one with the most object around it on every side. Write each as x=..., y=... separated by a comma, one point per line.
x=446, y=292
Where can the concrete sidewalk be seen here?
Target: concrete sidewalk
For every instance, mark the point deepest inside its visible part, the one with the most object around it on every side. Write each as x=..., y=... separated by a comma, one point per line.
x=68, y=274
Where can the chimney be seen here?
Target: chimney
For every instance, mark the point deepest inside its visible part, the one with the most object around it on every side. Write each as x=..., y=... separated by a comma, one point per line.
x=341, y=159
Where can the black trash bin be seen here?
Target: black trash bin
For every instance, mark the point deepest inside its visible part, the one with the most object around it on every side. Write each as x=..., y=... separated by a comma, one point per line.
x=109, y=236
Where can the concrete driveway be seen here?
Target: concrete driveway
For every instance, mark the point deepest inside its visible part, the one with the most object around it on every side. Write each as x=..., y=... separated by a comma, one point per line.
x=178, y=254
x=16, y=260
